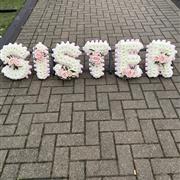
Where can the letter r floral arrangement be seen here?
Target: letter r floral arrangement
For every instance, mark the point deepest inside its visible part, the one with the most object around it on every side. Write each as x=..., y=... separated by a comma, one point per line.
x=159, y=57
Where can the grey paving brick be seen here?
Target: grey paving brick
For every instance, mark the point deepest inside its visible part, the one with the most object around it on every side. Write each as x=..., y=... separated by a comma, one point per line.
x=79, y=86
x=120, y=178
x=25, y=99
x=44, y=95
x=72, y=97
x=10, y=171
x=78, y=122
x=146, y=151
x=125, y=160
x=85, y=153
x=45, y=117
x=7, y=130
x=105, y=167
x=61, y=165
x=107, y=146
x=34, y=137
x=22, y=155
x=176, y=135
x=143, y=169
x=116, y=110
x=84, y=106
x=62, y=90
x=95, y=81
x=92, y=135
x=168, y=144
x=3, y=154
x=2, y=99
x=168, y=124
x=131, y=120
x=103, y=102
x=76, y=171
x=163, y=177
x=35, y=170
x=70, y=140
x=112, y=126
x=176, y=176
x=128, y=137
x=14, y=114
x=12, y=142
x=97, y=115
x=24, y=124
x=123, y=85
x=136, y=91
x=17, y=91
x=119, y=96
x=47, y=148
x=34, y=108
x=107, y=88
x=54, y=103
x=168, y=109
x=150, y=113
x=152, y=87
x=137, y=104
x=166, y=165
x=34, y=88
x=57, y=128
x=2, y=119
x=66, y=112
x=176, y=102
x=151, y=100
x=90, y=93
x=52, y=83
x=149, y=133
x=167, y=94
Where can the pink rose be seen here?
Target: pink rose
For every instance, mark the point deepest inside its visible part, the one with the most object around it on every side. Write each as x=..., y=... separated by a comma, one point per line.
x=95, y=58
x=14, y=61
x=129, y=72
x=39, y=55
x=161, y=59
x=63, y=73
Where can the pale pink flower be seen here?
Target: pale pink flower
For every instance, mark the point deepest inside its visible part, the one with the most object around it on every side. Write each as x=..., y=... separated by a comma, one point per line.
x=63, y=73
x=161, y=58
x=129, y=72
x=14, y=61
x=95, y=58
x=39, y=55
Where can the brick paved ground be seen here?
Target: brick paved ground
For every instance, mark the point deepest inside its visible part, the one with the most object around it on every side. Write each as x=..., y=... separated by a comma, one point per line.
x=106, y=129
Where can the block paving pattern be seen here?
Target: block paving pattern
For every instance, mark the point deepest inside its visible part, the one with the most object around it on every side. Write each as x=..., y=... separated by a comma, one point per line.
x=86, y=129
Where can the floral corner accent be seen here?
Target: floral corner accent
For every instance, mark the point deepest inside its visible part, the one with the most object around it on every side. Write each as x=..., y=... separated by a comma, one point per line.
x=159, y=57
x=41, y=61
x=127, y=58
x=67, y=66
x=14, y=57
x=96, y=50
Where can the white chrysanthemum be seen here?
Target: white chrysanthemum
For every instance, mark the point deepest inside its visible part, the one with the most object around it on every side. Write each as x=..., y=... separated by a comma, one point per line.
x=96, y=49
x=41, y=61
x=65, y=55
x=15, y=52
x=155, y=66
x=127, y=58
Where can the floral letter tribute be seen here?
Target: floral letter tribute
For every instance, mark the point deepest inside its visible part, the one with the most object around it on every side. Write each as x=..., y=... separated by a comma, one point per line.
x=13, y=57
x=41, y=61
x=65, y=55
x=159, y=57
x=96, y=50
x=127, y=58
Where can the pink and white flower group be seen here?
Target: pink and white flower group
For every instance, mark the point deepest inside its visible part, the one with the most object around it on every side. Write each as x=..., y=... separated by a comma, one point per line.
x=159, y=57
x=65, y=55
x=96, y=50
x=14, y=59
x=127, y=58
x=41, y=61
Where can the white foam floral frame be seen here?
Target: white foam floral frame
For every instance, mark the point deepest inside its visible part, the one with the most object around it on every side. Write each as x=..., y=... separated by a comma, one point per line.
x=96, y=50
x=14, y=58
x=159, y=57
x=65, y=55
x=127, y=58
x=41, y=61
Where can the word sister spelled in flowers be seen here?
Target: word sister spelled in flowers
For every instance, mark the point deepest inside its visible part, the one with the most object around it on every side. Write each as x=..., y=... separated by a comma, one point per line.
x=158, y=61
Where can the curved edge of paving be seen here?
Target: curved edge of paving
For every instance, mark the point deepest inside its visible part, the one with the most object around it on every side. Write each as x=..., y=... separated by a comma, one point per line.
x=15, y=27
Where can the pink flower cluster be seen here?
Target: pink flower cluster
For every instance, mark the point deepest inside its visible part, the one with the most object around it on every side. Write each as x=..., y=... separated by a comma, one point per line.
x=162, y=58
x=14, y=61
x=65, y=74
x=39, y=55
x=129, y=72
x=96, y=58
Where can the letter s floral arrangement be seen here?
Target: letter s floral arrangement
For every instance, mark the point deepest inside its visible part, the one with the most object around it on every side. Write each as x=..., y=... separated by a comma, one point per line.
x=158, y=61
